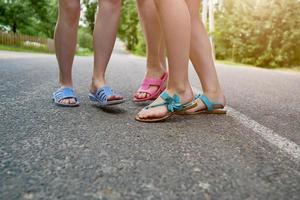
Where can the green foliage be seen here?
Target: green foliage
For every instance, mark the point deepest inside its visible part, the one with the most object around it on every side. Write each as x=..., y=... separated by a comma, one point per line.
x=23, y=49
x=89, y=15
x=29, y=16
x=15, y=14
x=130, y=30
x=261, y=33
x=85, y=39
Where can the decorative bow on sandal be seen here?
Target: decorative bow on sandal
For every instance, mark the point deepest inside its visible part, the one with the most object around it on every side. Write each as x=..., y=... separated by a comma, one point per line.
x=173, y=103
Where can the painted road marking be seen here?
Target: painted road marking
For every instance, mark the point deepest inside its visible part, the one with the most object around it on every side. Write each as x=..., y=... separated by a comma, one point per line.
x=286, y=146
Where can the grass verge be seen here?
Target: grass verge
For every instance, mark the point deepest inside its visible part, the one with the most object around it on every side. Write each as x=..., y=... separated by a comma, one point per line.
x=22, y=49
x=234, y=64
x=80, y=52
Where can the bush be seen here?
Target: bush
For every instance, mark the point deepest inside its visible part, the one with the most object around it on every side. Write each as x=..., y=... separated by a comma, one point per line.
x=85, y=38
x=130, y=31
x=266, y=33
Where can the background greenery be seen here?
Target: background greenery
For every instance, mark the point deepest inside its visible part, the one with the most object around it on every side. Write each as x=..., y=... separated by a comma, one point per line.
x=29, y=17
x=264, y=33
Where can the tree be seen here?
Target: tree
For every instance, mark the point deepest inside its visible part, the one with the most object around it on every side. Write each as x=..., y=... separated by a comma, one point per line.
x=90, y=12
x=15, y=13
x=130, y=30
x=45, y=13
x=261, y=33
x=29, y=16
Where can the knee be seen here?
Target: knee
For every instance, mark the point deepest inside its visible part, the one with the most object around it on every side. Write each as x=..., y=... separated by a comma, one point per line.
x=113, y=5
x=70, y=11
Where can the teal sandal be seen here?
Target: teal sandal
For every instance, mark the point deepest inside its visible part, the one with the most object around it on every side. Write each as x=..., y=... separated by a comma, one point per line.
x=173, y=105
x=211, y=107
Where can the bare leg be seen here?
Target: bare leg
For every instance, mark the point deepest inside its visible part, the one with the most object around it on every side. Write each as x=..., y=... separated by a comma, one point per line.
x=175, y=20
x=156, y=61
x=162, y=54
x=200, y=54
x=105, y=33
x=65, y=41
x=201, y=57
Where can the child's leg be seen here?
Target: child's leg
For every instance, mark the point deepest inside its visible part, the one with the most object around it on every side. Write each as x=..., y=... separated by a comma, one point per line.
x=65, y=41
x=201, y=57
x=175, y=20
x=156, y=61
x=105, y=33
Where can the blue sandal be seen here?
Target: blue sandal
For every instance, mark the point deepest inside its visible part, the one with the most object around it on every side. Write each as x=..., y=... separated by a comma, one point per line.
x=65, y=93
x=102, y=95
x=173, y=105
x=211, y=107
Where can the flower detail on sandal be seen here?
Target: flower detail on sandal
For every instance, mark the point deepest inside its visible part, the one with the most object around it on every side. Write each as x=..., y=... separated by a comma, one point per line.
x=172, y=103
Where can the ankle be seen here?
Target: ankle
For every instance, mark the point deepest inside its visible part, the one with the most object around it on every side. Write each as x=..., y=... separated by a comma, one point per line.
x=97, y=83
x=213, y=92
x=183, y=90
x=155, y=71
x=217, y=96
x=65, y=84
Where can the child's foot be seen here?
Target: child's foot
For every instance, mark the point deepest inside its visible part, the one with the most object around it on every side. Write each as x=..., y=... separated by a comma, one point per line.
x=161, y=111
x=96, y=84
x=217, y=97
x=151, y=74
x=65, y=96
x=69, y=101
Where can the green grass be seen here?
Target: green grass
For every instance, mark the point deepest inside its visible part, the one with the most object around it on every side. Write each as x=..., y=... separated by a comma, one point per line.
x=80, y=52
x=294, y=69
x=84, y=52
x=234, y=64
x=23, y=49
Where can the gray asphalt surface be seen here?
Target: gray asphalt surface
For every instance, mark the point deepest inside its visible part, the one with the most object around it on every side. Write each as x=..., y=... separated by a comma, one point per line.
x=47, y=152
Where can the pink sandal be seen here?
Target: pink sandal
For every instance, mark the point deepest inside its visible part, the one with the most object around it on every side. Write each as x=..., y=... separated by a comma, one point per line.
x=145, y=88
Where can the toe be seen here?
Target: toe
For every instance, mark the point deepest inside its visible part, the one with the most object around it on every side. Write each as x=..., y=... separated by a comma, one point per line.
x=114, y=97
x=140, y=114
x=119, y=97
x=72, y=101
x=68, y=101
x=64, y=101
x=140, y=95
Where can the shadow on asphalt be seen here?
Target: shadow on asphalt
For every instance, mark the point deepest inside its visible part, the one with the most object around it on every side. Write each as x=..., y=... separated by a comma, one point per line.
x=110, y=110
x=142, y=104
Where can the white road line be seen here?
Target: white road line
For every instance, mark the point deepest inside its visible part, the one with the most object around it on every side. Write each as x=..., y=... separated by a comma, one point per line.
x=286, y=146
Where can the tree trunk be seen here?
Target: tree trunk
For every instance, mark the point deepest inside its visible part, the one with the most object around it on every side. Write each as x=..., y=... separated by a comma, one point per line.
x=14, y=27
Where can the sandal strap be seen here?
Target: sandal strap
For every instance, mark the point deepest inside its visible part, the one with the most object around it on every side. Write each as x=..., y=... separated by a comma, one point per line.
x=172, y=103
x=64, y=93
x=209, y=104
x=104, y=93
x=147, y=82
x=145, y=85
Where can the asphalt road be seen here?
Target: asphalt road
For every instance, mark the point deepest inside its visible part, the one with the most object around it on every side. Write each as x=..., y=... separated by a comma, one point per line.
x=47, y=152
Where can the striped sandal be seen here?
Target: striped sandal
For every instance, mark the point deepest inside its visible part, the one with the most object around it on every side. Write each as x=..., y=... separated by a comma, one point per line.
x=102, y=95
x=65, y=93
